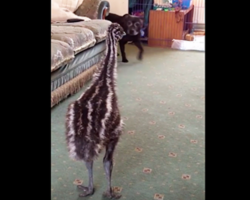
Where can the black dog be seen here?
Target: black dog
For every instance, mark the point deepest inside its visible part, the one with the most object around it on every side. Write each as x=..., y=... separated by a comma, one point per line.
x=132, y=26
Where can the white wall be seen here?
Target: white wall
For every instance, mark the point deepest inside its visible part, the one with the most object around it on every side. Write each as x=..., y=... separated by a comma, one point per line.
x=119, y=7
x=199, y=11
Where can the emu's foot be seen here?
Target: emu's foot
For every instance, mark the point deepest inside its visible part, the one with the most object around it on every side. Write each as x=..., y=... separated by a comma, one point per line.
x=86, y=191
x=81, y=187
x=110, y=194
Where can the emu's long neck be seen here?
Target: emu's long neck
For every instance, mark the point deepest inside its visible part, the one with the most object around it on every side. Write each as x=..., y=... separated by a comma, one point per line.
x=105, y=76
x=108, y=67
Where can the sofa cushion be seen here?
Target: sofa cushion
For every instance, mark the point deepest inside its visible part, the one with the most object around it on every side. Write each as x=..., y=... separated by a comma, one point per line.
x=76, y=37
x=59, y=14
x=91, y=8
x=71, y=5
x=98, y=26
x=61, y=53
x=83, y=62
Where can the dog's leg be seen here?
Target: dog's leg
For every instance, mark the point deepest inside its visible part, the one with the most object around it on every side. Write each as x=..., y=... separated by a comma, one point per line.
x=122, y=48
x=118, y=49
x=90, y=189
x=108, y=166
x=139, y=46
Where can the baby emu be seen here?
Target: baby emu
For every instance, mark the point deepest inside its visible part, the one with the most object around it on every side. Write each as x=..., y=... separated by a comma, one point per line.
x=93, y=120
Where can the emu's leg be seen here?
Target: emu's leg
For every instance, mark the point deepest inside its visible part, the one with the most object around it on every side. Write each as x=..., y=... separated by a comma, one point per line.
x=108, y=166
x=90, y=189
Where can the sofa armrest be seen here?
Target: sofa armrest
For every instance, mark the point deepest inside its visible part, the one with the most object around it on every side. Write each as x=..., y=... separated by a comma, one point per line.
x=93, y=9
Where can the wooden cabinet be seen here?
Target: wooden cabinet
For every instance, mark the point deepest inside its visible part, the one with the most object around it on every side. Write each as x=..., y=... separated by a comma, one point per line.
x=166, y=26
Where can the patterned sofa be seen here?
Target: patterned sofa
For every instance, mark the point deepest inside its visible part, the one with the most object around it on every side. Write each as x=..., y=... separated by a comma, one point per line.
x=76, y=48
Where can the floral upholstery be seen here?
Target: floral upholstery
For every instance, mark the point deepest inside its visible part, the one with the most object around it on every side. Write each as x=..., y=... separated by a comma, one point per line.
x=76, y=37
x=68, y=39
x=61, y=53
x=89, y=8
x=97, y=26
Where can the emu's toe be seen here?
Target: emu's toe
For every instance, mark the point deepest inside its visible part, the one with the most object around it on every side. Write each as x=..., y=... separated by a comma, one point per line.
x=111, y=195
x=81, y=187
x=86, y=191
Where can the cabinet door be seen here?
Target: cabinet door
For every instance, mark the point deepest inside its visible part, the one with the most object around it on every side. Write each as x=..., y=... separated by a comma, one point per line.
x=164, y=27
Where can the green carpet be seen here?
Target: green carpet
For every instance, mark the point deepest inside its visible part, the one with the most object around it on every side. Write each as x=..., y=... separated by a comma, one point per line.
x=161, y=154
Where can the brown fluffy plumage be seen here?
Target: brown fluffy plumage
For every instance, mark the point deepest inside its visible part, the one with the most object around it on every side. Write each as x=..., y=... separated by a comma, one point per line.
x=93, y=121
